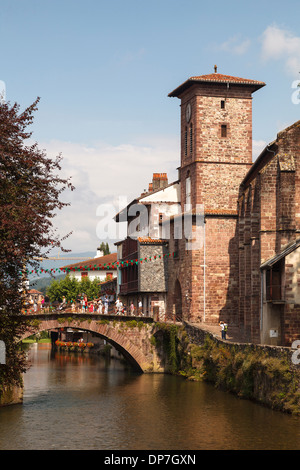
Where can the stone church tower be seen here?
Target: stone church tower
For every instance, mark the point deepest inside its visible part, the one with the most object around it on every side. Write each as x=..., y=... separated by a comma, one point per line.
x=216, y=153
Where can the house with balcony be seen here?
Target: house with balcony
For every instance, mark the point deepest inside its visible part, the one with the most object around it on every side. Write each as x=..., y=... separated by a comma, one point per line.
x=143, y=255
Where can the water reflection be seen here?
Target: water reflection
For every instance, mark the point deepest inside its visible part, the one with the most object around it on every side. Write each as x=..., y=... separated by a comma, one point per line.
x=86, y=402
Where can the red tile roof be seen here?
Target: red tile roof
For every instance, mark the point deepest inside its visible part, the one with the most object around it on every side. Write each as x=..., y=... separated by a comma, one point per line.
x=151, y=241
x=219, y=77
x=216, y=78
x=95, y=263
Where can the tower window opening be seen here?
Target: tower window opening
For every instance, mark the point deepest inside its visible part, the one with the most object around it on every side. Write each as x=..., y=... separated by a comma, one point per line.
x=223, y=130
x=191, y=139
x=185, y=142
x=188, y=191
x=222, y=104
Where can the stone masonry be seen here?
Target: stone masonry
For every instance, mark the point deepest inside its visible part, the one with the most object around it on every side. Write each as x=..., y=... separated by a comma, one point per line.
x=216, y=153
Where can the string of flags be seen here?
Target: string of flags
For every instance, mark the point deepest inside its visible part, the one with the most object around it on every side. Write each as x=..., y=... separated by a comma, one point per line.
x=100, y=266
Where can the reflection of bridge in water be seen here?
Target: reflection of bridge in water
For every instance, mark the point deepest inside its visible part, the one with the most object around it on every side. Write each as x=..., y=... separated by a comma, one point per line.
x=130, y=335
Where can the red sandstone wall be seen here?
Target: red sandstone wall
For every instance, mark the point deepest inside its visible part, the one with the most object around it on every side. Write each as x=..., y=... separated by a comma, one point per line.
x=216, y=166
x=269, y=219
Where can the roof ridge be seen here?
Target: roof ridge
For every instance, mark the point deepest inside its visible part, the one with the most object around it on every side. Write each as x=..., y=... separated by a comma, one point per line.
x=220, y=77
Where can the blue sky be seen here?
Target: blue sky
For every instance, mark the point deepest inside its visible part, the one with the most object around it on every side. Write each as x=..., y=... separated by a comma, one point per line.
x=103, y=71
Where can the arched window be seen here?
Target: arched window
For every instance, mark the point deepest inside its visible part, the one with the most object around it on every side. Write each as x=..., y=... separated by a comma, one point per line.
x=188, y=191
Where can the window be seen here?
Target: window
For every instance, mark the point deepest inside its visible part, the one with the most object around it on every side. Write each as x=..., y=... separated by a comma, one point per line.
x=224, y=130
x=188, y=192
x=274, y=282
x=191, y=139
x=222, y=104
x=84, y=274
x=185, y=142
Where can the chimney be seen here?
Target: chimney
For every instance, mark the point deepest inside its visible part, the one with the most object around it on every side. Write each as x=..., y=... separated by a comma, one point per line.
x=99, y=253
x=159, y=181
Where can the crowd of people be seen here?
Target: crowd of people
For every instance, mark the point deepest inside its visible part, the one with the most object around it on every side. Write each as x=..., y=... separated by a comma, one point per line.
x=102, y=305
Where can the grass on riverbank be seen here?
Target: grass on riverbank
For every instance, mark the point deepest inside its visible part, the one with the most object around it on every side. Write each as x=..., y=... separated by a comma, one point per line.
x=34, y=340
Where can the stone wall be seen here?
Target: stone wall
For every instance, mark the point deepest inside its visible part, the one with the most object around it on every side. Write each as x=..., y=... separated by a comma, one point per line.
x=153, y=275
x=206, y=277
x=265, y=374
x=197, y=336
x=11, y=396
x=268, y=220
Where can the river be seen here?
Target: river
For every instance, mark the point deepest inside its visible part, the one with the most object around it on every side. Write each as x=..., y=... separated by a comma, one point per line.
x=81, y=402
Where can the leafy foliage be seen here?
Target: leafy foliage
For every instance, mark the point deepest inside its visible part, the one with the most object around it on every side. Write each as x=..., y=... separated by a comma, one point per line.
x=30, y=190
x=105, y=248
x=71, y=289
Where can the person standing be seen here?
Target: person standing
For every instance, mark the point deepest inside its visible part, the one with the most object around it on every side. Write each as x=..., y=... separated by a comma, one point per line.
x=222, y=329
x=106, y=304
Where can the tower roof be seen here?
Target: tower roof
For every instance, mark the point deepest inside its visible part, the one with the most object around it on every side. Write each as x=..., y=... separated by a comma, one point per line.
x=215, y=78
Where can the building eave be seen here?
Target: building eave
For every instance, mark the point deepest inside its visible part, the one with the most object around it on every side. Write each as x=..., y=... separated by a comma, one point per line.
x=286, y=250
x=214, y=79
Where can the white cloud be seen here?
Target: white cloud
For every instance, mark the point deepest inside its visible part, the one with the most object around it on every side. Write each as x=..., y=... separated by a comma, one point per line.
x=106, y=174
x=280, y=44
x=235, y=45
x=257, y=148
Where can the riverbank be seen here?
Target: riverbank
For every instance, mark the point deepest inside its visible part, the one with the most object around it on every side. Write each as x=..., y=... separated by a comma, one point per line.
x=264, y=374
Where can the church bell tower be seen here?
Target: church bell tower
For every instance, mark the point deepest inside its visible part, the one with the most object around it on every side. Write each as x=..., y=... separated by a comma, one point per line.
x=216, y=154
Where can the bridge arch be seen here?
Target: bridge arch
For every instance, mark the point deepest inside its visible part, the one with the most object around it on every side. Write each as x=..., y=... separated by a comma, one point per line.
x=132, y=342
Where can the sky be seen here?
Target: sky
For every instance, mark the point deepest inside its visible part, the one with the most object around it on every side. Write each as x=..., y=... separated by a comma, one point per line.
x=103, y=71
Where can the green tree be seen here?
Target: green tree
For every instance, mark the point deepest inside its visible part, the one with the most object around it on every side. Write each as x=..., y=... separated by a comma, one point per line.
x=68, y=287
x=105, y=248
x=30, y=191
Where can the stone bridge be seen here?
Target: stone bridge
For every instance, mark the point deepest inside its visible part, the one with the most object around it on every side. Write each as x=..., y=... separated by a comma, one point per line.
x=129, y=335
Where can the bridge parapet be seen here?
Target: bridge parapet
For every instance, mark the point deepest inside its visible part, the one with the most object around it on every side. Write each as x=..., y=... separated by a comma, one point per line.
x=86, y=316
x=130, y=335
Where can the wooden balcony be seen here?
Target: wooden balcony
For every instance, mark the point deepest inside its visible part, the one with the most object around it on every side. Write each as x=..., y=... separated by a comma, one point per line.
x=129, y=249
x=129, y=287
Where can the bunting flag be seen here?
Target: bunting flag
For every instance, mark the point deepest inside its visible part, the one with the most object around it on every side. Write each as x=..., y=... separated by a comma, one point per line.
x=100, y=267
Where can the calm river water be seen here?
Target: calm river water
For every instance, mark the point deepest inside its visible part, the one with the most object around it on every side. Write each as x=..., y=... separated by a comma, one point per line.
x=83, y=402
